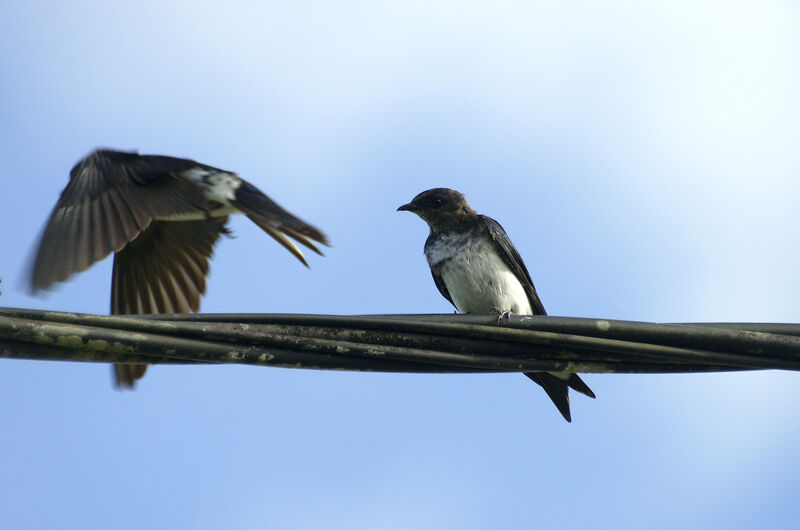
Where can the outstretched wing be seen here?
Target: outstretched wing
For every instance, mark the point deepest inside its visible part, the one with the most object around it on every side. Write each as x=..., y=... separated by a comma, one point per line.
x=110, y=199
x=276, y=221
x=512, y=258
x=164, y=269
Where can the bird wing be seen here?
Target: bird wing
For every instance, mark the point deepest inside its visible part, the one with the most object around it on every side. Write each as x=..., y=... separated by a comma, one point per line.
x=439, y=281
x=110, y=199
x=436, y=272
x=506, y=249
x=164, y=269
x=276, y=221
x=555, y=384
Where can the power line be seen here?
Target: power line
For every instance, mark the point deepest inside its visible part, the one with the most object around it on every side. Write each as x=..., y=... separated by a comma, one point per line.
x=401, y=343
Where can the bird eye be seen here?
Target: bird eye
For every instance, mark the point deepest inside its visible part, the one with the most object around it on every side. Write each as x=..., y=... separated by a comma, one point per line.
x=438, y=203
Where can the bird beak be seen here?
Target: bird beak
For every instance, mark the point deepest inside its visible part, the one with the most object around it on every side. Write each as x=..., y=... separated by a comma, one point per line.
x=406, y=208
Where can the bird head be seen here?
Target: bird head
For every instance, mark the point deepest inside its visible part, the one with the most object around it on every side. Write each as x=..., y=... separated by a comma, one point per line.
x=441, y=208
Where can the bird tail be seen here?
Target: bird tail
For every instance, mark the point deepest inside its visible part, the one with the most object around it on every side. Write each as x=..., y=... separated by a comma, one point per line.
x=557, y=386
x=276, y=221
x=126, y=375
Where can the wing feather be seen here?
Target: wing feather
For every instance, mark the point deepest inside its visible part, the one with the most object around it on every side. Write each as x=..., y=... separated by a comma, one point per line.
x=164, y=269
x=512, y=258
x=110, y=199
x=276, y=221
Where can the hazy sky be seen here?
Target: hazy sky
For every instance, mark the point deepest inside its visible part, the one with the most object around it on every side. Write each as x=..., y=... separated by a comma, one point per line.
x=644, y=159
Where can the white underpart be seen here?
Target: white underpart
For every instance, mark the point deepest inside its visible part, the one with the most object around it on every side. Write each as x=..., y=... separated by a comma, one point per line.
x=218, y=187
x=476, y=277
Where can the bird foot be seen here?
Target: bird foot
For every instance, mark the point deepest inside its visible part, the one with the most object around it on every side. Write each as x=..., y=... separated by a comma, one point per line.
x=502, y=314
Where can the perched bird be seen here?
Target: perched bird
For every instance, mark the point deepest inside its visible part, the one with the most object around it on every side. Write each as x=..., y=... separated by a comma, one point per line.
x=476, y=267
x=161, y=216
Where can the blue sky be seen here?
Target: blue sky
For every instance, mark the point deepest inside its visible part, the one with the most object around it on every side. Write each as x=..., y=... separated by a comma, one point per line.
x=642, y=158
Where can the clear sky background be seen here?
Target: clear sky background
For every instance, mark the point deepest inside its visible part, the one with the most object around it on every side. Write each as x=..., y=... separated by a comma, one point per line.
x=643, y=158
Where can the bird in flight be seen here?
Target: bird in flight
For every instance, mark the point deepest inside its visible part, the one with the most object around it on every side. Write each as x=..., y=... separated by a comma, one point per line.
x=477, y=269
x=161, y=216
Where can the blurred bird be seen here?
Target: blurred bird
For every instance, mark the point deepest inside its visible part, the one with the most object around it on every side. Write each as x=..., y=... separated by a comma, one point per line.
x=161, y=216
x=478, y=270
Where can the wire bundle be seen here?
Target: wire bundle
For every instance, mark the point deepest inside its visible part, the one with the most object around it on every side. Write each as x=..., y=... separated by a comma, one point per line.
x=401, y=343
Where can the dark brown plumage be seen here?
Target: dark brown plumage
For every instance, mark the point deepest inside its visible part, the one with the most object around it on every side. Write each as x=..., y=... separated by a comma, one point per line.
x=471, y=259
x=161, y=216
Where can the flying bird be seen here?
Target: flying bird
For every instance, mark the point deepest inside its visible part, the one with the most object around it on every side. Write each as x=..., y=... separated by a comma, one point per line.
x=161, y=216
x=477, y=269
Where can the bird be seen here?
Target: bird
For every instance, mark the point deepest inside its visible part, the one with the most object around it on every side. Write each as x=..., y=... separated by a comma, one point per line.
x=478, y=270
x=161, y=217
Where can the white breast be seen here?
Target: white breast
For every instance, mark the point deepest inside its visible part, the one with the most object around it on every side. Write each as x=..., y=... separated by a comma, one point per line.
x=476, y=277
x=218, y=186
x=219, y=189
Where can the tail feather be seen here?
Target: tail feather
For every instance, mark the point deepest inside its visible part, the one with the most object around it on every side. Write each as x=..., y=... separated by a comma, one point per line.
x=558, y=389
x=126, y=375
x=577, y=384
x=276, y=221
x=283, y=240
x=302, y=239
